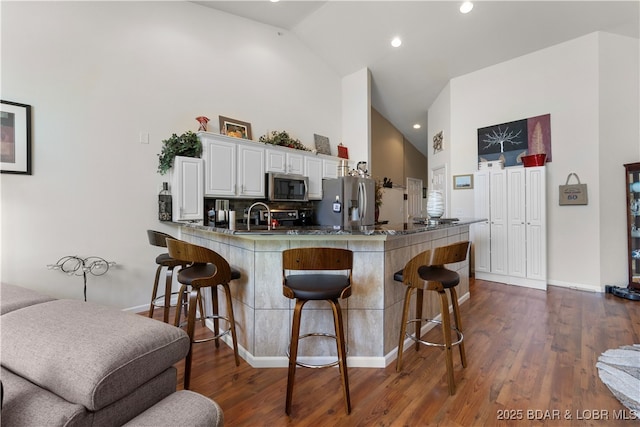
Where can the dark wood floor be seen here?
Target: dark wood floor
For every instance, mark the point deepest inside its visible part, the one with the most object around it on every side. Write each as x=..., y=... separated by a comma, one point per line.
x=531, y=361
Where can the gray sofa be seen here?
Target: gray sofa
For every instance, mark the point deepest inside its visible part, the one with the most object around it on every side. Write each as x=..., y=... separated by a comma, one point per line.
x=75, y=363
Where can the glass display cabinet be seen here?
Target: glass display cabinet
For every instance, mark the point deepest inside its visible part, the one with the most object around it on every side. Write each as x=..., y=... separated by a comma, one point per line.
x=632, y=180
x=633, y=222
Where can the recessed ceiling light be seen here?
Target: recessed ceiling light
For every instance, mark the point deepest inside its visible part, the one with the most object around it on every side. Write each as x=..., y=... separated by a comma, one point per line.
x=417, y=126
x=466, y=7
x=274, y=1
x=396, y=42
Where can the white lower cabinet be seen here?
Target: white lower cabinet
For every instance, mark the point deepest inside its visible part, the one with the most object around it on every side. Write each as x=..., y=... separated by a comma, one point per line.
x=187, y=189
x=511, y=246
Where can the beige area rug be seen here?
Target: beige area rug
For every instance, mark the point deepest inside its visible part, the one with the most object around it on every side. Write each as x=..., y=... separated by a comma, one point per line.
x=619, y=369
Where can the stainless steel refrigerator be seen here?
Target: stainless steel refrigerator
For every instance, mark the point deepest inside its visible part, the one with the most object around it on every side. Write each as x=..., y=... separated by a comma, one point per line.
x=347, y=201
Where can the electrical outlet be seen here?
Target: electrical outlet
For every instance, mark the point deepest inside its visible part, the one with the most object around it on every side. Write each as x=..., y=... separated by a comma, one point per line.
x=144, y=138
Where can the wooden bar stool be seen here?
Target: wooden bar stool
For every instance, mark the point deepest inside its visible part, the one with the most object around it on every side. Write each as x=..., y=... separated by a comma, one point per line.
x=164, y=260
x=422, y=274
x=316, y=286
x=207, y=270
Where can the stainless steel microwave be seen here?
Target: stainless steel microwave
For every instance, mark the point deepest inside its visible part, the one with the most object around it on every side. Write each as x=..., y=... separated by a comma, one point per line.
x=287, y=188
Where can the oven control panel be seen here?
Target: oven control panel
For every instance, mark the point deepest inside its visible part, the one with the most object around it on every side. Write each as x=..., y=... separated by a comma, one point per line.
x=280, y=214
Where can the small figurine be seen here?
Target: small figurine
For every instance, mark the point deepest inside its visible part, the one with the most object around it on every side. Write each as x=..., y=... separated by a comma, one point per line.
x=203, y=123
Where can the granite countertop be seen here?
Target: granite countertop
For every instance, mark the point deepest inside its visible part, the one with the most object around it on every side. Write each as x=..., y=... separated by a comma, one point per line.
x=379, y=230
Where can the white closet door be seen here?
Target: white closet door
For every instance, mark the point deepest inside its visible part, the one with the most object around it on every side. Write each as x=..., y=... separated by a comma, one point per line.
x=536, y=224
x=517, y=222
x=499, y=243
x=482, y=231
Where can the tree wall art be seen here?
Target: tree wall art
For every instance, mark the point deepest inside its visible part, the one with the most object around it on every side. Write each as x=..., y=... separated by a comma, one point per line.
x=511, y=141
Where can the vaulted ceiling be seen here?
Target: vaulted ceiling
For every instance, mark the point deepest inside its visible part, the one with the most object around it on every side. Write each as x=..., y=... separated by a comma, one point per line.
x=439, y=42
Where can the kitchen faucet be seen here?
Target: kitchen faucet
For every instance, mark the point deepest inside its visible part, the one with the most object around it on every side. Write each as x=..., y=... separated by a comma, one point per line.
x=249, y=215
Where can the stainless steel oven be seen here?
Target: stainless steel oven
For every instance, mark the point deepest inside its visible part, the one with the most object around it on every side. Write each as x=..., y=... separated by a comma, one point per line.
x=287, y=188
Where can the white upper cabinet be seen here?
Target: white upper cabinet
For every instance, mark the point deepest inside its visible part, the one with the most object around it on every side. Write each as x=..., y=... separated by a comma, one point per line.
x=281, y=161
x=236, y=168
x=313, y=170
x=329, y=168
x=251, y=170
x=221, y=164
x=187, y=188
x=232, y=168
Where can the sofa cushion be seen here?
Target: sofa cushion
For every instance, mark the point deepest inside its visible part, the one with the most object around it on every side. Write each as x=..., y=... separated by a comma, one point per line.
x=26, y=404
x=14, y=297
x=182, y=408
x=141, y=399
x=87, y=353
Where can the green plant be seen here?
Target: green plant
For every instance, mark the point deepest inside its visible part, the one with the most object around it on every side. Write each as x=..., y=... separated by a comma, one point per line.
x=282, y=139
x=379, y=193
x=188, y=145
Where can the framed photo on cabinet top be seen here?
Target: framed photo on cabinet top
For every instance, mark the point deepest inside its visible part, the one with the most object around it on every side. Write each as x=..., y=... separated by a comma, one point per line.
x=235, y=128
x=15, y=129
x=463, y=182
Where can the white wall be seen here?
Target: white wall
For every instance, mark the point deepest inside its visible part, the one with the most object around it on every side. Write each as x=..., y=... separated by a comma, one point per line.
x=439, y=119
x=618, y=132
x=99, y=73
x=356, y=116
x=570, y=82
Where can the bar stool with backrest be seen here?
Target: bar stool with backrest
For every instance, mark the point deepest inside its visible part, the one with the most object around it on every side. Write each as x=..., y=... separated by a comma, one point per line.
x=422, y=274
x=318, y=282
x=164, y=260
x=208, y=269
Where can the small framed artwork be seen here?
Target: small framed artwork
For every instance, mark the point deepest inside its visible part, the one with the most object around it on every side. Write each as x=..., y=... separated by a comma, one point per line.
x=235, y=128
x=462, y=182
x=322, y=144
x=438, y=140
x=15, y=128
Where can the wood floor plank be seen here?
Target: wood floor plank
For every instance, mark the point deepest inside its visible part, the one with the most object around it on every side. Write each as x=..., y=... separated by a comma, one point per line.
x=531, y=362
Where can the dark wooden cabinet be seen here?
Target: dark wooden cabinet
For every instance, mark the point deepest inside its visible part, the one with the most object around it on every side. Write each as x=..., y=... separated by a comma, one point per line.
x=633, y=223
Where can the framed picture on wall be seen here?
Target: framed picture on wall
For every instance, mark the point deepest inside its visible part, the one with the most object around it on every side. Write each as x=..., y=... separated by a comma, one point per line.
x=462, y=182
x=15, y=128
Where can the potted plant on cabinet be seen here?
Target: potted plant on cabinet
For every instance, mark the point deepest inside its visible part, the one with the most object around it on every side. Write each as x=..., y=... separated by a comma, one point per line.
x=282, y=139
x=378, y=198
x=188, y=145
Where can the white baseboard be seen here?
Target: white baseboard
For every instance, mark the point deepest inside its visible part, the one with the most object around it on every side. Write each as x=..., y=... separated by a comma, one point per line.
x=512, y=280
x=576, y=286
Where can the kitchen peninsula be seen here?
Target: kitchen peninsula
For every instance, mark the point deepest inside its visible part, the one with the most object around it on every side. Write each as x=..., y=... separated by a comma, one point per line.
x=372, y=313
